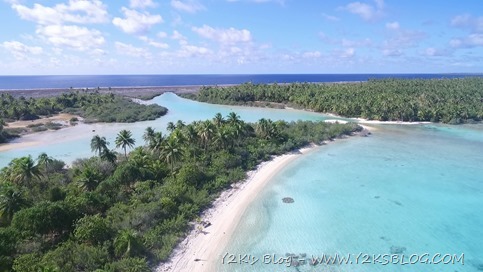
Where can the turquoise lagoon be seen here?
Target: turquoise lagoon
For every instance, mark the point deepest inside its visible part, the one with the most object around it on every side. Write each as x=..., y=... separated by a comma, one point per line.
x=406, y=189
x=74, y=142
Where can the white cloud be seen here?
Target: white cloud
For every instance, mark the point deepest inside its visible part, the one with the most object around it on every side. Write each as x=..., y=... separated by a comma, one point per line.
x=177, y=36
x=472, y=40
x=130, y=50
x=193, y=51
x=475, y=24
x=154, y=43
x=393, y=26
x=142, y=4
x=162, y=35
x=224, y=36
x=434, y=52
x=330, y=17
x=20, y=50
x=75, y=37
x=80, y=12
x=190, y=6
x=136, y=22
x=98, y=52
x=366, y=11
x=356, y=43
x=159, y=44
x=347, y=53
x=311, y=55
x=400, y=38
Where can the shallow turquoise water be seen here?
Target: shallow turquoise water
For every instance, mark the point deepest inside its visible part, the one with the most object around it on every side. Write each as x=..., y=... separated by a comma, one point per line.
x=74, y=142
x=419, y=189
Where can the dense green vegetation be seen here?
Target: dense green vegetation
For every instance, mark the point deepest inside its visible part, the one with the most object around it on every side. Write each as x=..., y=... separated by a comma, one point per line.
x=436, y=100
x=126, y=212
x=91, y=105
x=3, y=134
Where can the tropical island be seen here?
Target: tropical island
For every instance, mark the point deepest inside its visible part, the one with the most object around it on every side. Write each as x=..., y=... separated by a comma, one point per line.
x=90, y=106
x=119, y=212
x=129, y=210
x=452, y=101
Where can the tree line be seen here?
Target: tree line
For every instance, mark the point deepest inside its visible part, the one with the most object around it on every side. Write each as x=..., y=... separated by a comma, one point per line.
x=126, y=211
x=437, y=100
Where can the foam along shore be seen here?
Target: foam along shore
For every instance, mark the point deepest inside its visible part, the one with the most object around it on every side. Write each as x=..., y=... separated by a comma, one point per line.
x=203, y=248
x=376, y=122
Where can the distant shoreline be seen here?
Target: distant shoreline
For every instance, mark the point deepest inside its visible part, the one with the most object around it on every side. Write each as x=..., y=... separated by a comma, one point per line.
x=135, y=92
x=141, y=92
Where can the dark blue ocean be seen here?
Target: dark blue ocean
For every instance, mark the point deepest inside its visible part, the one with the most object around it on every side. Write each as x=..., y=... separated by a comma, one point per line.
x=93, y=81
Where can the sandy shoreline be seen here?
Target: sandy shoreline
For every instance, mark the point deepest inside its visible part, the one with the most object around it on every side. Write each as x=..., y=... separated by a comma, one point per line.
x=206, y=245
x=10, y=146
x=377, y=122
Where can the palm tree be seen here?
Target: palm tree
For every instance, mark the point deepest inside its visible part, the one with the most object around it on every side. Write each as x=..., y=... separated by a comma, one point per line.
x=124, y=139
x=24, y=170
x=140, y=159
x=218, y=120
x=191, y=139
x=11, y=201
x=233, y=118
x=127, y=243
x=224, y=137
x=190, y=134
x=171, y=126
x=172, y=152
x=88, y=179
x=44, y=160
x=267, y=129
x=108, y=155
x=237, y=124
x=206, y=131
x=156, y=142
x=179, y=136
x=148, y=135
x=180, y=124
x=99, y=144
x=158, y=169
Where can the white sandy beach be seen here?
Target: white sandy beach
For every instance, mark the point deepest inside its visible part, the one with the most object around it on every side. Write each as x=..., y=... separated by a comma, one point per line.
x=376, y=122
x=202, y=250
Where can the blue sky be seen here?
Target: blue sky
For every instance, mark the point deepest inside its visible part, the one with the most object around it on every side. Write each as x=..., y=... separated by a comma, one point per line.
x=240, y=36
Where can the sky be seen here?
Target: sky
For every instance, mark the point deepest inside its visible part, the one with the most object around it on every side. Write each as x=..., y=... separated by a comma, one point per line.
x=52, y=37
